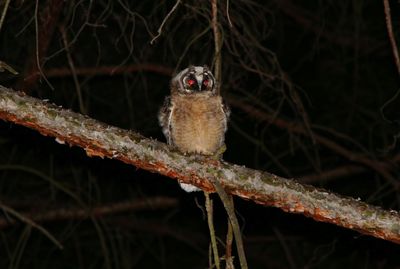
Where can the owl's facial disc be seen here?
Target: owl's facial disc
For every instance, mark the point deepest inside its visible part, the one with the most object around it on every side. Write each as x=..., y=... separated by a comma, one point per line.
x=197, y=79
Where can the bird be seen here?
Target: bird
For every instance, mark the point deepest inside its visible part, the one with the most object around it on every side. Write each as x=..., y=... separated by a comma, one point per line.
x=194, y=117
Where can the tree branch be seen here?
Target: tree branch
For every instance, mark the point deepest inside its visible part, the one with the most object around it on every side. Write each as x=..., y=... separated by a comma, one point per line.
x=102, y=210
x=381, y=167
x=99, y=139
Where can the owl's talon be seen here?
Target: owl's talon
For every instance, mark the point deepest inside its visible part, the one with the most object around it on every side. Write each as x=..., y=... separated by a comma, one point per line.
x=218, y=154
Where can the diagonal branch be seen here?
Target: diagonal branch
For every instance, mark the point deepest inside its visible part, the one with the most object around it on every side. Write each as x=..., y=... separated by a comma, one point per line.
x=99, y=139
x=98, y=211
x=381, y=167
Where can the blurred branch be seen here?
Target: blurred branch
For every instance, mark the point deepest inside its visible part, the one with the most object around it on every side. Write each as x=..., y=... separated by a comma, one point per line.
x=71, y=64
x=217, y=43
x=309, y=21
x=381, y=167
x=99, y=139
x=341, y=171
x=108, y=70
x=46, y=22
x=159, y=31
x=81, y=214
x=392, y=39
x=4, y=12
x=11, y=212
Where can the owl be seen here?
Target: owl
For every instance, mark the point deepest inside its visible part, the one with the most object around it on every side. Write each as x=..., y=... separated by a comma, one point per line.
x=194, y=117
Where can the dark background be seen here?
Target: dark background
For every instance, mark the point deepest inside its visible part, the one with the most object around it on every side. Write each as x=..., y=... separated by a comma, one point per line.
x=327, y=65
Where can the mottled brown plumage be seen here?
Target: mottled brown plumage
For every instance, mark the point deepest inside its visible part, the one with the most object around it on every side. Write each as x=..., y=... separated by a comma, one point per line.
x=198, y=123
x=194, y=118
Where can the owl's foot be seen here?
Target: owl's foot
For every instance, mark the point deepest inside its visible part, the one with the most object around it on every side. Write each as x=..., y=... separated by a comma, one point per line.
x=218, y=154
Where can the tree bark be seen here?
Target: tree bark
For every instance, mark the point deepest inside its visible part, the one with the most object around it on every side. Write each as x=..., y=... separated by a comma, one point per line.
x=99, y=139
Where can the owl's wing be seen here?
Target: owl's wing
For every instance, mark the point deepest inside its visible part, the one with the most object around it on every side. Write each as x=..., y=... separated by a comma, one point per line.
x=227, y=112
x=164, y=116
x=226, y=109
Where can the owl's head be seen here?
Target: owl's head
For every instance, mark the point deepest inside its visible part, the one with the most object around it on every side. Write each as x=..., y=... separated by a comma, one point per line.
x=194, y=79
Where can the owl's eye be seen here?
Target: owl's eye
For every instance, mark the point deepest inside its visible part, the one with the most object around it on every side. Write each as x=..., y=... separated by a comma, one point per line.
x=206, y=84
x=191, y=82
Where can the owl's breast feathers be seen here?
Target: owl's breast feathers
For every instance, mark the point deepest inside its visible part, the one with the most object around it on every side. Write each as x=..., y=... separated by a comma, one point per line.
x=197, y=124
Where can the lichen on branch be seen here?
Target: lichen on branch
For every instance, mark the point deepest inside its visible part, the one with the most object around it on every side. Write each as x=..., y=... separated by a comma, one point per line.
x=99, y=139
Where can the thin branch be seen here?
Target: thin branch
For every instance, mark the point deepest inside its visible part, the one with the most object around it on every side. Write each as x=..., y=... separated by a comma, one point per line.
x=99, y=139
x=31, y=223
x=159, y=31
x=81, y=214
x=213, y=237
x=217, y=42
x=329, y=175
x=108, y=70
x=228, y=249
x=381, y=167
x=389, y=27
x=227, y=201
x=45, y=24
x=4, y=12
x=309, y=21
x=73, y=70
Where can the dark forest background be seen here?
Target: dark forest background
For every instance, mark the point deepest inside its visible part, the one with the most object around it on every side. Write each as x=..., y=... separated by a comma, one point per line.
x=324, y=67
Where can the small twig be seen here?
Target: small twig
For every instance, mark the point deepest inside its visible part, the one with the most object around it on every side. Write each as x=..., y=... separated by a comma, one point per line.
x=381, y=167
x=217, y=42
x=389, y=27
x=159, y=31
x=214, y=247
x=228, y=248
x=328, y=175
x=227, y=14
x=286, y=249
x=38, y=49
x=5, y=66
x=230, y=210
x=45, y=23
x=31, y=223
x=72, y=67
x=60, y=214
x=109, y=70
x=3, y=14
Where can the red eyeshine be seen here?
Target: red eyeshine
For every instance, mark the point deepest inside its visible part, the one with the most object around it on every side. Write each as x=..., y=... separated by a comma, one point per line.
x=205, y=82
x=191, y=82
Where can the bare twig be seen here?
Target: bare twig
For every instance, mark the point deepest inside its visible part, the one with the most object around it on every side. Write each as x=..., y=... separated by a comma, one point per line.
x=226, y=199
x=310, y=21
x=382, y=168
x=30, y=222
x=213, y=237
x=227, y=14
x=73, y=70
x=228, y=249
x=159, y=31
x=389, y=27
x=217, y=42
x=45, y=24
x=338, y=172
x=5, y=66
x=99, y=139
x=80, y=214
x=108, y=70
x=3, y=14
